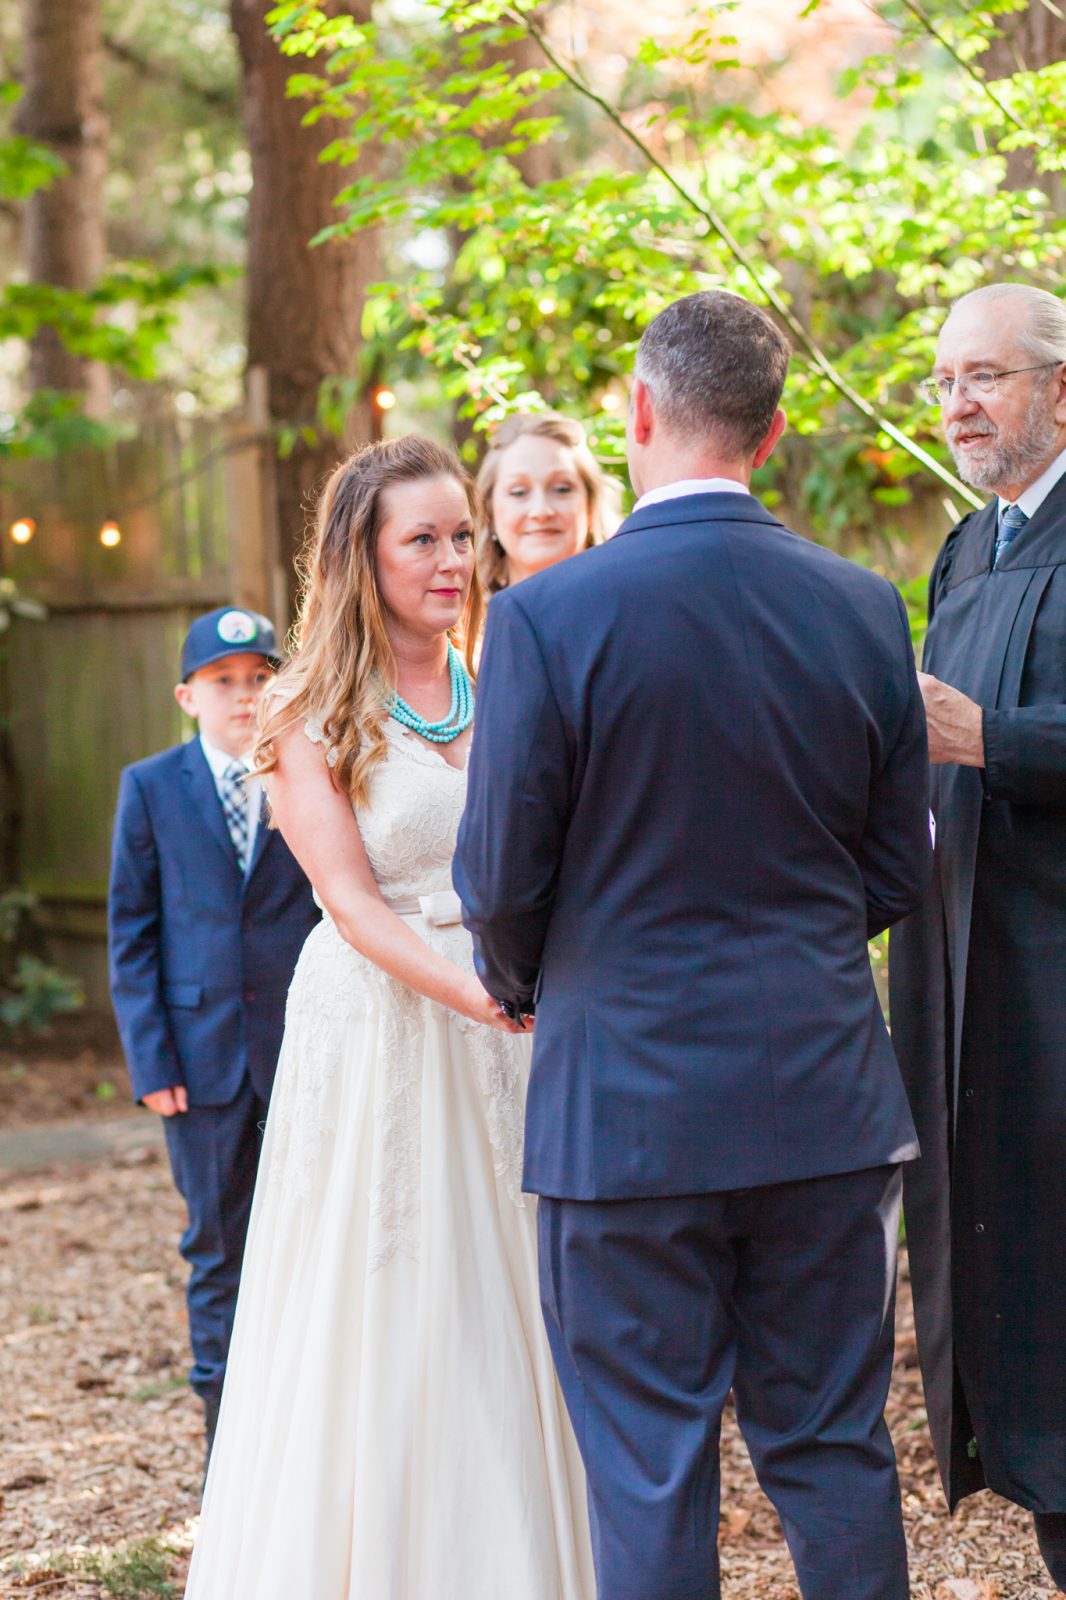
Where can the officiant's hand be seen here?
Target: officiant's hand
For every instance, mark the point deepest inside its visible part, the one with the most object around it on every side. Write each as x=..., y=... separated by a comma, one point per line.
x=955, y=723
x=475, y=1002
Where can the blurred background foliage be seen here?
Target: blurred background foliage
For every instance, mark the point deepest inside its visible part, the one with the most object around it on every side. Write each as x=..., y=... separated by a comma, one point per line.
x=522, y=187
x=545, y=192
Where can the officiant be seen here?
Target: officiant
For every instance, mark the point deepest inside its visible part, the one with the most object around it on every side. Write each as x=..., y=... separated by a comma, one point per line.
x=978, y=975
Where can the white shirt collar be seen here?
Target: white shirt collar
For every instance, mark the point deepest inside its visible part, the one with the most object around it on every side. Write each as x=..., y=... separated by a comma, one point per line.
x=1030, y=500
x=217, y=759
x=675, y=491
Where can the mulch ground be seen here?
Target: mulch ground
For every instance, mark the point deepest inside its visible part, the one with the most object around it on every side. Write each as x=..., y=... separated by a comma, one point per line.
x=73, y=1070
x=100, y=1440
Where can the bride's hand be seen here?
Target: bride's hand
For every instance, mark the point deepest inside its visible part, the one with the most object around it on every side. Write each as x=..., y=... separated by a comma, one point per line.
x=476, y=1003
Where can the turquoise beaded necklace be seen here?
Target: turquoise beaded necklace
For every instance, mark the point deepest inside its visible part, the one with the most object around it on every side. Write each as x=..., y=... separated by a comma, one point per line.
x=460, y=712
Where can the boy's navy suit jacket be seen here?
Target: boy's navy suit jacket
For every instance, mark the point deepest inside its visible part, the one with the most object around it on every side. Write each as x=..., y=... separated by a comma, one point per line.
x=698, y=782
x=201, y=955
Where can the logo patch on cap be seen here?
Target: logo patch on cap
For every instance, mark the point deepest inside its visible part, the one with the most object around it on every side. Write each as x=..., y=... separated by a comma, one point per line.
x=237, y=627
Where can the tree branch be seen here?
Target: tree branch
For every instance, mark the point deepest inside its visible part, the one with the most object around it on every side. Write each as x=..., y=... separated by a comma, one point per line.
x=803, y=338
x=222, y=99
x=971, y=72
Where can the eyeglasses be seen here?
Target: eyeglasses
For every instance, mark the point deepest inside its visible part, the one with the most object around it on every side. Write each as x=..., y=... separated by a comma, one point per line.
x=974, y=384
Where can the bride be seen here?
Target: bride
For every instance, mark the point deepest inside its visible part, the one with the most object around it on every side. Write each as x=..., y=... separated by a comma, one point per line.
x=391, y=1427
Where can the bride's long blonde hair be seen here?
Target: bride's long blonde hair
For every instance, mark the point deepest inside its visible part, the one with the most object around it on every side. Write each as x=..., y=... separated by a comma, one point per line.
x=342, y=667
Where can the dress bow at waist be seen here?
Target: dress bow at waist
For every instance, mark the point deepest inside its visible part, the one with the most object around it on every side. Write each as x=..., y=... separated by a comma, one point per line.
x=442, y=909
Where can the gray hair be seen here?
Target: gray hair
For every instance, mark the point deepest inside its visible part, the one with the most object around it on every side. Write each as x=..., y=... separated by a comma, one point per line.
x=1043, y=336
x=715, y=366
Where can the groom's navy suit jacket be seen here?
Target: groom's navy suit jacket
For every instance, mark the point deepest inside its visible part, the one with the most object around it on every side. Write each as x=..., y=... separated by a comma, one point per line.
x=698, y=783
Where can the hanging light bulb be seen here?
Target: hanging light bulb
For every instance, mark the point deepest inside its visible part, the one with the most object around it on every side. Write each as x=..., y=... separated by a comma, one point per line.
x=384, y=399
x=110, y=534
x=22, y=530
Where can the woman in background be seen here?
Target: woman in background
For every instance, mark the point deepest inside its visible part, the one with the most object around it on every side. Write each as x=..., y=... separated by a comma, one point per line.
x=546, y=498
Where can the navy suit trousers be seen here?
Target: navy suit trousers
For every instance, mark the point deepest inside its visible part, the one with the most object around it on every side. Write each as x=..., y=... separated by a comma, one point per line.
x=1051, y=1538
x=214, y=1155
x=786, y=1293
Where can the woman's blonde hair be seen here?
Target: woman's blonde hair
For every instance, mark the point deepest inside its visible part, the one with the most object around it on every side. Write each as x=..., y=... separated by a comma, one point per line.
x=342, y=668
x=603, y=493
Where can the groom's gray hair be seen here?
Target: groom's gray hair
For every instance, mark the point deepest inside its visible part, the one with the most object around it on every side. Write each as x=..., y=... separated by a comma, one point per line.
x=715, y=367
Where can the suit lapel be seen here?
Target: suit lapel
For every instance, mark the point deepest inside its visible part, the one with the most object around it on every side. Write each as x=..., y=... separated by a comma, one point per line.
x=201, y=786
x=262, y=839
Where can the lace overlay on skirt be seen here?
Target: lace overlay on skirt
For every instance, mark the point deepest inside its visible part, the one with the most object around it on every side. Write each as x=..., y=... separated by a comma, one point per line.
x=409, y=830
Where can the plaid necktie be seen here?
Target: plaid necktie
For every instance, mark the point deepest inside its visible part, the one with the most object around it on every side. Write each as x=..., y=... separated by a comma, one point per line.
x=234, y=794
x=1011, y=524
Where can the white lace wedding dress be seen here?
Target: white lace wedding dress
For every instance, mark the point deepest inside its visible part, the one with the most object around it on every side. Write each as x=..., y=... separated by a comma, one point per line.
x=391, y=1426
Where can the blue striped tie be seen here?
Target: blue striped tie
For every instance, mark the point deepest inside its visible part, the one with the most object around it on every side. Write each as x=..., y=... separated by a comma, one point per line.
x=234, y=793
x=1011, y=524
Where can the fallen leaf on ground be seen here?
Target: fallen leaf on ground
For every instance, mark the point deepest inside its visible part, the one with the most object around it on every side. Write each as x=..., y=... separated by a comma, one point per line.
x=733, y=1523
x=966, y=1589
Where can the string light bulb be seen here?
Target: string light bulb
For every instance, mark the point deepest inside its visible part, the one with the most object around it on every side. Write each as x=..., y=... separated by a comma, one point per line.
x=22, y=530
x=110, y=534
x=384, y=399
x=547, y=305
x=610, y=401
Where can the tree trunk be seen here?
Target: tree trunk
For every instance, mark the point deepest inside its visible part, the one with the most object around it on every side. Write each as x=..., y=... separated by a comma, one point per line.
x=1030, y=39
x=64, y=223
x=304, y=304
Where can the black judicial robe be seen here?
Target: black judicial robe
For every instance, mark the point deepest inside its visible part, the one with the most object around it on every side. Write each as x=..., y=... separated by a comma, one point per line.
x=978, y=1004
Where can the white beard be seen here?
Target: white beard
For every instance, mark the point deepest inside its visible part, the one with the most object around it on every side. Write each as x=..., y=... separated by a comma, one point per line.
x=1011, y=461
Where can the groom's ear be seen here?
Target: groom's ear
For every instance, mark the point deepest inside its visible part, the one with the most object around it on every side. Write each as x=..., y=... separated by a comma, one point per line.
x=642, y=415
x=766, y=449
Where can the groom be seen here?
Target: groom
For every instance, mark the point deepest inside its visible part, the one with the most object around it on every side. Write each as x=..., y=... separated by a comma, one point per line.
x=698, y=784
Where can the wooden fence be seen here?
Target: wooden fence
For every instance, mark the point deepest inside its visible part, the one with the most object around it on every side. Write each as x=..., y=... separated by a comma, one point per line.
x=90, y=688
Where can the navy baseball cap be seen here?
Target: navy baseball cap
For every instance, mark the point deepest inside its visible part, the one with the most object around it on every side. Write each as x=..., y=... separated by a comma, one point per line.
x=229, y=631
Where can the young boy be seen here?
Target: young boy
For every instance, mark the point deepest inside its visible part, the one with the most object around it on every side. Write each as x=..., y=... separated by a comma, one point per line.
x=208, y=912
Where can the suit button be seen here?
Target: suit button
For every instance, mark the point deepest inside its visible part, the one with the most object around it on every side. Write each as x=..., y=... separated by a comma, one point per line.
x=978, y=1227
x=967, y=1094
